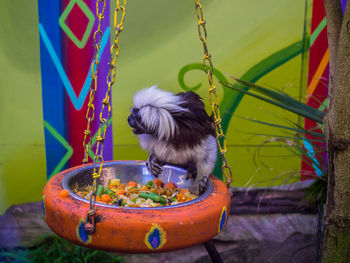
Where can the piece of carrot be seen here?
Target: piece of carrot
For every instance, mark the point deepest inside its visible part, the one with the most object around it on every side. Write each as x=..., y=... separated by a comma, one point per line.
x=144, y=188
x=98, y=198
x=183, y=191
x=170, y=186
x=120, y=192
x=132, y=183
x=180, y=198
x=64, y=193
x=105, y=198
x=157, y=182
x=188, y=199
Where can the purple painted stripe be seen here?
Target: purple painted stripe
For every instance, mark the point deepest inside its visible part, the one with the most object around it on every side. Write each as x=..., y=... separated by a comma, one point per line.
x=343, y=5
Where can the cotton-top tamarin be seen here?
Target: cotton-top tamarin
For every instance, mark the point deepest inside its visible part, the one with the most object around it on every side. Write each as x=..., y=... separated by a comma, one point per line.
x=175, y=129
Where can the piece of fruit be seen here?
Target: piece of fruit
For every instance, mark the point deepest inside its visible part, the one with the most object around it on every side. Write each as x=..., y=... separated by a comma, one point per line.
x=64, y=193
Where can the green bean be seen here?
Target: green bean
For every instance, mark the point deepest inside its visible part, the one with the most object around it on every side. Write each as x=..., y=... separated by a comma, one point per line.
x=109, y=192
x=153, y=196
x=100, y=189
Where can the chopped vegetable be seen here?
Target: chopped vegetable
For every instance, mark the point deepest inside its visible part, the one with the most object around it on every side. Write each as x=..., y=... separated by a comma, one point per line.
x=170, y=186
x=158, y=182
x=100, y=189
x=183, y=191
x=106, y=198
x=150, y=184
x=144, y=188
x=132, y=184
x=132, y=194
x=153, y=196
x=114, y=182
x=64, y=193
x=129, y=187
x=182, y=196
x=121, y=192
x=115, y=189
x=109, y=191
x=121, y=202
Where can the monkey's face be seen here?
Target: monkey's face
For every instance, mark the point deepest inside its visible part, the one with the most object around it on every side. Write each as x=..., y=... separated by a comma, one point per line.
x=151, y=120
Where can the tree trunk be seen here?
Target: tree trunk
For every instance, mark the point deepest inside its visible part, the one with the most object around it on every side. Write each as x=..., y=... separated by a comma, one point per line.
x=336, y=243
x=334, y=16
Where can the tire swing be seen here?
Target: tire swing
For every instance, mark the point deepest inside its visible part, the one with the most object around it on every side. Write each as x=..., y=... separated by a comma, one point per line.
x=134, y=229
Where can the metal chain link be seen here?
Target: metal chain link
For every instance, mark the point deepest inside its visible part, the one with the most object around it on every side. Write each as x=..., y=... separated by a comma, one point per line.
x=90, y=112
x=213, y=98
x=106, y=109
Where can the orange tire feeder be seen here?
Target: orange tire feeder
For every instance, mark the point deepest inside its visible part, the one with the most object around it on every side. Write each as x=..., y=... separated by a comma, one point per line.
x=135, y=230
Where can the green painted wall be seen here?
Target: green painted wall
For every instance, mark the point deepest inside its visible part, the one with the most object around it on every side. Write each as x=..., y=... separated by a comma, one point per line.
x=160, y=37
x=22, y=151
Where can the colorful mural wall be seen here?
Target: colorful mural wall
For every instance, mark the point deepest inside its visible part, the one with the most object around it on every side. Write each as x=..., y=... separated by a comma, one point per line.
x=66, y=31
x=45, y=76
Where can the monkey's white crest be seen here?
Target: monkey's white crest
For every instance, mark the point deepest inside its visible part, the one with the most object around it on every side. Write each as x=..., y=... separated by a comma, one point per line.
x=156, y=107
x=157, y=98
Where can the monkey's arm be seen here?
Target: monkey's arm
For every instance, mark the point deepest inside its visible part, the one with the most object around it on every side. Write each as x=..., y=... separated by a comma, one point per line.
x=154, y=165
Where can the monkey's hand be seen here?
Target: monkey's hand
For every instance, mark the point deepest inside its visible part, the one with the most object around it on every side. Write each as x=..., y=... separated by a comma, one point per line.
x=154, y=165
x=200, y=185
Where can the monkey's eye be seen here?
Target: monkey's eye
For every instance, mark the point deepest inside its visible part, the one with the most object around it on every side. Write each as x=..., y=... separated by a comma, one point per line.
x=135, y=111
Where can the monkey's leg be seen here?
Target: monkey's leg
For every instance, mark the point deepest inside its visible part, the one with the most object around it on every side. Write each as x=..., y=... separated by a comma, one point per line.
x=203, y=172
x=154, y=165
x=191, y=170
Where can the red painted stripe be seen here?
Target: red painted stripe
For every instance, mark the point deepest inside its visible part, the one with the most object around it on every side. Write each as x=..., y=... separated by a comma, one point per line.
x=316, y=54
x=318, y=13
x=77, y=65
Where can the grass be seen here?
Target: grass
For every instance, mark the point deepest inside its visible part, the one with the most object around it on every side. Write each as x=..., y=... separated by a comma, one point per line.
x=53, y=249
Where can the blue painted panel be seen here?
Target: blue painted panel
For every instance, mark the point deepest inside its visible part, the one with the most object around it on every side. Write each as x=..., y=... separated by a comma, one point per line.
x=52, y=87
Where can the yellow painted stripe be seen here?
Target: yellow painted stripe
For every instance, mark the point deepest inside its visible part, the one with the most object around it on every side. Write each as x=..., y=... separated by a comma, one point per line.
x=318, y=75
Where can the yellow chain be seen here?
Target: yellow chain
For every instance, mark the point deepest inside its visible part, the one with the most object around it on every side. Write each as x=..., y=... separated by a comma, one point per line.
x=106, y=106
x=213, y=98
x=90, y=113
